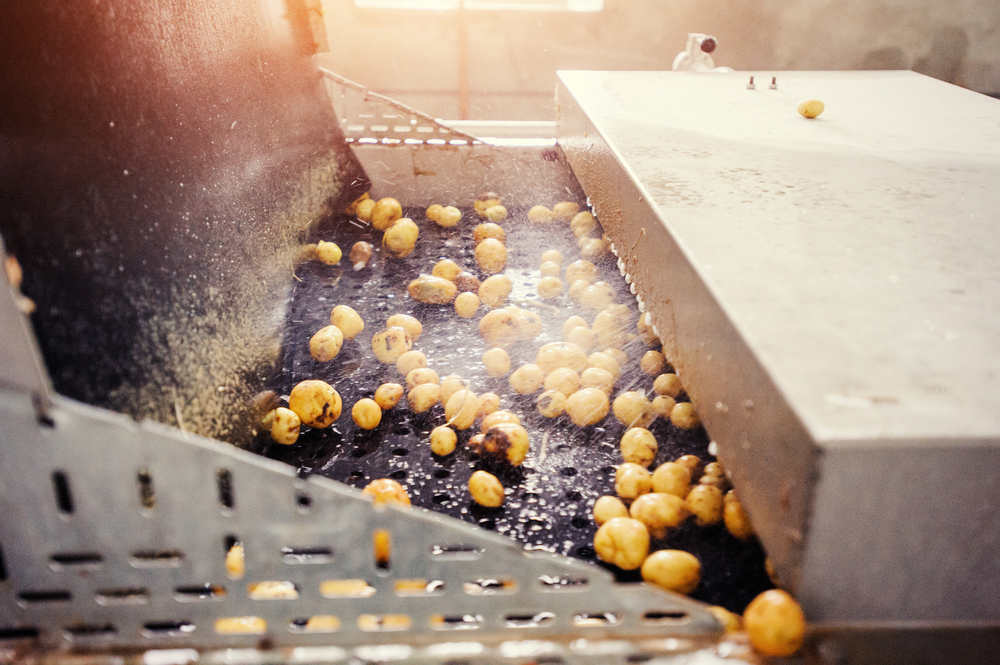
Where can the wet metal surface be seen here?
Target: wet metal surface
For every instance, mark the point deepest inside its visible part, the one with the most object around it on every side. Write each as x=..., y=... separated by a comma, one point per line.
x=551, y=496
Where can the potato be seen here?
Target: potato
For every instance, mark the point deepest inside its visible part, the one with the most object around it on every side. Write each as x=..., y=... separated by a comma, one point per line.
x=432, y=290
x=486, y=489
x=400, y=239
x=315, y=402
x=775, y=623
x=385, y=212
x=390, y=344
x=673, y=570
x=623, y=542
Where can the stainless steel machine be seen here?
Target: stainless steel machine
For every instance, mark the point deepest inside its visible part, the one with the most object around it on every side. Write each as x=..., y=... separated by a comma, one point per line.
x=825, y=288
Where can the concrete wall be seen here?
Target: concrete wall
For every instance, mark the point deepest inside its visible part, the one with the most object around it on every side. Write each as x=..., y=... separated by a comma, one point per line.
x=510, y=58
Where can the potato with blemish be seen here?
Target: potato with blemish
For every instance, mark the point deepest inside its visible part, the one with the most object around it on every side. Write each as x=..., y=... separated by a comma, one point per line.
x=500, y=328
x=486, y=489
x=551, y=403
x=565, y=210
x=461, y=408
x=554, y=355
x=529, y=324
x=385, y=212
x=714, y=469
x=714, y=481
x=684, y=416
x=410, y=361
x=550, y=287
x=388, y=395
x=632, y=481
x=527, y=379
x=540, y=215
x=607, y=508
x=622, y=542
x=497, y=362
x=632, y=409
x=467, y=282
x=326, y=343
x=775, y=623
x=329, y=252
x=386, y=491
x=487, y=231
x=421, y=375
x=432, y=290
x=692, y=463
x=638, y=445
x=491, y=255
x=361, y=254
x=494, y=290
x=315, y=402
x=592, y=377
x=659, y=512
x=662, y=406
x=672, y=478
x=390, y=344
x=424, y=396
x=443, y=440
x=581, y=269
x=506, y=441
x=400, y=239
x=587, y=406
x=673, y=570
x=366, y=413
x=467, y=305
x=348, y=320
x=705, y=503
x=285, y=426
x=446, y=269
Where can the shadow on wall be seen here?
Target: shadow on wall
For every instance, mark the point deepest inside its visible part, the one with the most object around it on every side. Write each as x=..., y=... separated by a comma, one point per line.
x=500, y=65
x=943, y=61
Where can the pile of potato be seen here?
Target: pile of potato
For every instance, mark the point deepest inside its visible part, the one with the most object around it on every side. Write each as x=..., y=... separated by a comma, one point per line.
x=575, y=379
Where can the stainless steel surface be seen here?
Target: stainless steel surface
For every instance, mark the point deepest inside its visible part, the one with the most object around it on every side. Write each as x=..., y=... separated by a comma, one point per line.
x=828, y=290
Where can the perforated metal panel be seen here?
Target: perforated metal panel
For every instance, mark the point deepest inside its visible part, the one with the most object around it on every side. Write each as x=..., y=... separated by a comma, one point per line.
x=115, y=534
